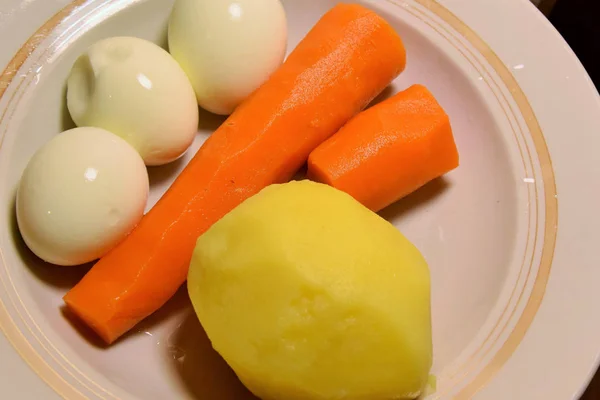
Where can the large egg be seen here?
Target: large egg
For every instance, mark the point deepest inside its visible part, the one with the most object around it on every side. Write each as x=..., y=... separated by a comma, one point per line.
x=80, y=195
x=228, y=48
x=135, y=89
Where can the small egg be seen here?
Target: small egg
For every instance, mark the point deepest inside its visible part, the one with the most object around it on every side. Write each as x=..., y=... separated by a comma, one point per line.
x=136, y=90
x=228, y=48
x=80, y=195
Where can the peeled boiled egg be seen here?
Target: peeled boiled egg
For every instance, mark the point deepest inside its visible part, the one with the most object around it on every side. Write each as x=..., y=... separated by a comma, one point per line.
x=228, y=48
x=135, y=89
x=80, y=195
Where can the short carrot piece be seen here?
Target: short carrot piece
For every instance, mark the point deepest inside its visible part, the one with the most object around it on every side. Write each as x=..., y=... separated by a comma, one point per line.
x=344, y=62
x=389, y=150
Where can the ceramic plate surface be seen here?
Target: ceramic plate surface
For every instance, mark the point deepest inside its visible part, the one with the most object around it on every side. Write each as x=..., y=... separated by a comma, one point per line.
x=510, y=236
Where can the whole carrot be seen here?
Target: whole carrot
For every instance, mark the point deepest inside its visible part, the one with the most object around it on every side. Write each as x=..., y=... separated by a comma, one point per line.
x=389, y=150
x=348, y=58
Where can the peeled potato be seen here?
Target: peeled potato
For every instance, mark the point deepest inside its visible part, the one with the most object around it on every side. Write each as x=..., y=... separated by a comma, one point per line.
x=309, y=295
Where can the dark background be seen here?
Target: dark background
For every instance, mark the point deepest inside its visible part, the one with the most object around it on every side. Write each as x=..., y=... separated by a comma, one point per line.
x=578, y=21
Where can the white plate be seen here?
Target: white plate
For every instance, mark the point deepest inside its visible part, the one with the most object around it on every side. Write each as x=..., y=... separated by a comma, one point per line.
x=510, y=236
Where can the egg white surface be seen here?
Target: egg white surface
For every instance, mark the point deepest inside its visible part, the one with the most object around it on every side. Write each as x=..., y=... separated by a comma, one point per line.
x=228, y=48
x=135, y=89
x=80, y=195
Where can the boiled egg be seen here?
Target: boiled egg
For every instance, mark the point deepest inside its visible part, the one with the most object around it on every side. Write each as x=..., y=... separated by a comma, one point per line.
x=228, y=48
x=80, y=195
x=135, y=89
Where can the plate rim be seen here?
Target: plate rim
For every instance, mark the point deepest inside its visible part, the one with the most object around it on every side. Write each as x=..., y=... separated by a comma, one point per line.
x=46, y=29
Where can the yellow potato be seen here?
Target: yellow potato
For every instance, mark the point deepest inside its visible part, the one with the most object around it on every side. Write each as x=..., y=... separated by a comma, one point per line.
x=309, y=295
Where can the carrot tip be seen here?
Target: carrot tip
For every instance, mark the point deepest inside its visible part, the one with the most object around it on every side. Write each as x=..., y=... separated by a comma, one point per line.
x=90, y=321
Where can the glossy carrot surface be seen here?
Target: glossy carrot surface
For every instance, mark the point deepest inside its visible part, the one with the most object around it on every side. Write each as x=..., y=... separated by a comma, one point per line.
x=344, y=62
x=389, y=150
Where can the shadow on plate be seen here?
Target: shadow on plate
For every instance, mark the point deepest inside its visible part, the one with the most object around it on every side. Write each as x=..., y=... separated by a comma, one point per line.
x=301, y=173
x=208, y=121
x=414, y=201
x=165, y=173
x=176, y=305
x=160, y=175
x=201, y=369
x=163, y=38
x=66, y=122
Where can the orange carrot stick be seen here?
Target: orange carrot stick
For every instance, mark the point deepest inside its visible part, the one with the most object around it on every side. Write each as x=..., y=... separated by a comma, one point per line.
x=389, y=150
x=348, y=58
